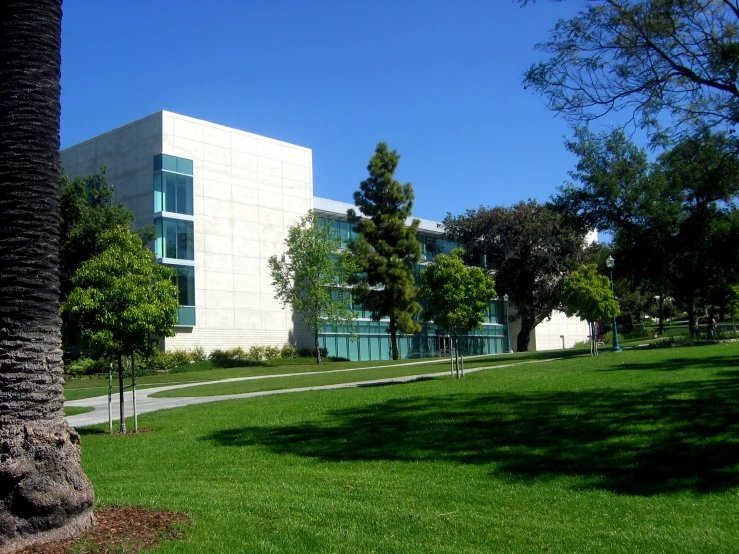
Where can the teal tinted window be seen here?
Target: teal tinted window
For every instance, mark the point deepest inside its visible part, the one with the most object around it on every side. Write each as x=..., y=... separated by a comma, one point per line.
x=184, y=166
x=185, y=282
x=172, y=193
x=175, y=239
x=186, y=316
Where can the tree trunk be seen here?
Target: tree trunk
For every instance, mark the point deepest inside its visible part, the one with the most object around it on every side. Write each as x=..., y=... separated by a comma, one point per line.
x=121, y=388
x=318, y=349
x=524, y=335
x=661, y=327
x=394, y=340
x=44, y=494
x=692, y=317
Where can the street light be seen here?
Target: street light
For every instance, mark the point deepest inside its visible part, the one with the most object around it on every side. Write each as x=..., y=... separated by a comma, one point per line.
x=610, y=263
x=508, y=349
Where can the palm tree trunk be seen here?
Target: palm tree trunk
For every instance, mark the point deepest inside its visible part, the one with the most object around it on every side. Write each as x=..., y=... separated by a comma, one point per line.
x=44, y=494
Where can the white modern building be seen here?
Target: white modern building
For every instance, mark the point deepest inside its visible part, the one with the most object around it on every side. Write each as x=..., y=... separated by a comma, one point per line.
x=222, y=201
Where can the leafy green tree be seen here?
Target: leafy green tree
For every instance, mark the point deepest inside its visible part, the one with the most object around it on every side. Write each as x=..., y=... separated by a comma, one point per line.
x=534, y=248
x=652, y=58
x=87, y=213
x=122, y=302
x=587, y=294
x=310, y=276
x=674, y=223
x=386, y=250
x=457, y=297
x=732, y=305
x=43, y=489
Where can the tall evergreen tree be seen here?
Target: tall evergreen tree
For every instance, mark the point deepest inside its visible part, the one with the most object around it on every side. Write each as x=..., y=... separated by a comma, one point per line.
x=43, y=492
x=386, y=249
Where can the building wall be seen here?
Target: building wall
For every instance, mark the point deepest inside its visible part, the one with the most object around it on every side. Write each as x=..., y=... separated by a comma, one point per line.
x=247, y=191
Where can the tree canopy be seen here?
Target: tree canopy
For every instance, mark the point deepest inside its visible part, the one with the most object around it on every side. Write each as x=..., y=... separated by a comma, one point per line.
x=386, y=250
x=457, y=297
x=663, y=61
x=534, y=249
x=674, y=222
x=87, y=213
x=310, y=276
x=587, y=294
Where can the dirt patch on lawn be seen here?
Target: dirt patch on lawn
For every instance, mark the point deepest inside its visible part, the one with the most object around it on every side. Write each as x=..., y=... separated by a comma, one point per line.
x=120, y=529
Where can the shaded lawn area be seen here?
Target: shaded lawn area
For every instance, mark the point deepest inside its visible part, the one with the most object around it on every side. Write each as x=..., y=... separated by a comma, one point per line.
x=635, y=452
x=76, y=389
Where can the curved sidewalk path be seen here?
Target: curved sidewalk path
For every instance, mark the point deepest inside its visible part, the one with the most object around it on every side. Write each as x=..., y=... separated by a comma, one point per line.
x=145, y=403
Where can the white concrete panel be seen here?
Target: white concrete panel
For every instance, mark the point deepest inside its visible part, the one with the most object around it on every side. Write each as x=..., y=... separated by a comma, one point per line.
x=217, y=190
x=148, y=148
x=87, y=167
x=86, y=151
x=216, y=244
x=244, y=195
x=271, y=200
x=246, y=283
x=245, y=222
x=269, y=166
x=214, y=206
x=217, y=172
x=215, y=319
x=219, y=226
x=105, y=151
x=149, y=127
x=217, y=154
x=295, y=206
x=295, y=188
x=269, y=302
x=244, y=160
x=222, y=263
x=270, y=217
x=197, y=185
x=188, y=129
x=249, y=266
x=242, y=142
x=293, y=155
x=216, y=299
x=168, y=123
x=248, y=319
x=244, y=177
x=247, y=300
x=269, y=182
x=215, y=280
x=246, y=248
x=294, y=172
x=274, y=320
x=199, y=246
x=216, y=136
x=69, y=159
x=269, y=149
x=186, y=148
x=168, y=145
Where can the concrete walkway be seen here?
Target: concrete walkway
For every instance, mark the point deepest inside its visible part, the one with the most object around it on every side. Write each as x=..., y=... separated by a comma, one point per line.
x=145, y=403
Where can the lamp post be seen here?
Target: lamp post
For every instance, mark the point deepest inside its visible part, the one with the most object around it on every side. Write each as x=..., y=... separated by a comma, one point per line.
x=508, y=349
x=610, y=262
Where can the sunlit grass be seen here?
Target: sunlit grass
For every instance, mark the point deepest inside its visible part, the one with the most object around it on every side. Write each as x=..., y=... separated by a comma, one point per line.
x=627, y=453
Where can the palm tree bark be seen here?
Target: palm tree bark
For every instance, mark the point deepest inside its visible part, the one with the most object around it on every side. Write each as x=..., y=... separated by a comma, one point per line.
x=43, y=492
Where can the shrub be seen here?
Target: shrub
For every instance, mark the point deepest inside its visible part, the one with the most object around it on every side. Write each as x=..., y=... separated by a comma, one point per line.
x=178, y=358
x=257, y=353
x=198, y=354
x=271, y=353
x=636, y=334
x=306, y=352
x=85, y=366
x=288, y=351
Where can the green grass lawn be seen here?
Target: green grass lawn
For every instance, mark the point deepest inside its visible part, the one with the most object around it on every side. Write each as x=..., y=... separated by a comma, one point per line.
x=625, y=453
x=70, y=411
x=75, y=389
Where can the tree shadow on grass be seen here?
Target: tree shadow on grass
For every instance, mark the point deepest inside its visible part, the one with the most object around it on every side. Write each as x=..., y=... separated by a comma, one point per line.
x=676, y=364
x=654, y=440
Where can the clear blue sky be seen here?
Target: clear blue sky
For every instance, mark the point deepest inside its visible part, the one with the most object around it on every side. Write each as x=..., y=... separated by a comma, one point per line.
x=440, y=81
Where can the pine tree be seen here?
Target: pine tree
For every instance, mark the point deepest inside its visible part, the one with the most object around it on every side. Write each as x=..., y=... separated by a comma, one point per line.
x=386, y=249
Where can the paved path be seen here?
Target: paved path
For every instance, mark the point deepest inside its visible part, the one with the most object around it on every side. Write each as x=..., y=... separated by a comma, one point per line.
x=145, y=403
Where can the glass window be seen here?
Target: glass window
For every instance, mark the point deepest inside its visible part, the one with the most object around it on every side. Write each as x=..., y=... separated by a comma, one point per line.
x=172, y=193
x=185, y=282
x=175, y=239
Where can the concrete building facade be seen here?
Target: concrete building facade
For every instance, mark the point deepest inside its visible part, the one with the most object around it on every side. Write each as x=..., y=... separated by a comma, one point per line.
x=222, y=201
